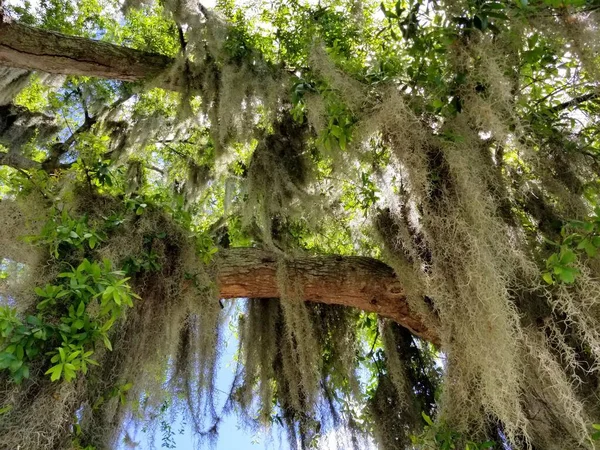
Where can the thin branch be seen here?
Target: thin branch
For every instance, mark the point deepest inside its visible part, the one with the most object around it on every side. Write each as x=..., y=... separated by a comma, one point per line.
x=182, y=155
x=156, y=169
x=573, y=102
x=205, y=12
x=182, y=41
x=57, y=150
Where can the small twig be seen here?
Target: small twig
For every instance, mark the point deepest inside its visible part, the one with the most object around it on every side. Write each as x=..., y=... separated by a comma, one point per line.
x=374, y=342
x=156, y=169
x=87, y=175
x=205, y=12
x=182, y=41
x=66, y=122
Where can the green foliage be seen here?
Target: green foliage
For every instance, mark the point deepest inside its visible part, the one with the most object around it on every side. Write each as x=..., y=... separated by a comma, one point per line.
x=149, y=30
x=361, y=196
x=75, y=313
x=63, y=233
x=34, y=97
x=458, y=117
x=146, y=262
x=85, y=18
x=596, y=433
x=20, y=341
x=205, y=247
x=486, y=15
x=438, y=436
x=579, y=238
x=73, y=317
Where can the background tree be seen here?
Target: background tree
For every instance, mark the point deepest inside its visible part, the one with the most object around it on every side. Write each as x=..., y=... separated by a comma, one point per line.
x=423, y=173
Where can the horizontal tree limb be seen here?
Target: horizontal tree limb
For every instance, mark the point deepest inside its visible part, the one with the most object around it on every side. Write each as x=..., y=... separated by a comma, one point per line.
x=18, y=161
x=30, y=48
x=359, y=282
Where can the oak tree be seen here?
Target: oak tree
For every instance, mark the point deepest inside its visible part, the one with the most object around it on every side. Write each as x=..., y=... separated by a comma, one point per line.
x=393, y=204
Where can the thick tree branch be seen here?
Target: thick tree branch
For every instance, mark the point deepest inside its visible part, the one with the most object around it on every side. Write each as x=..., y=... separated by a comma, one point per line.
x=33, y=49
x=359, y=282
x=18, y=161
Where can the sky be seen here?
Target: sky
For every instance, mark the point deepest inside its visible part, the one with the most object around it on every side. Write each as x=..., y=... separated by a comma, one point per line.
x=232, y=436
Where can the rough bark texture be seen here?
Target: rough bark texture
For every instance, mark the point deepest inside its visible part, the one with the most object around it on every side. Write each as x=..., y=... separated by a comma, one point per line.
x=359, y=282
x=33, y=49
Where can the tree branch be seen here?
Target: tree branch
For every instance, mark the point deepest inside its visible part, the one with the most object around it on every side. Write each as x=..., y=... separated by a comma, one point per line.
x=359, y=282
x=33, y=49
x=573, y=102
x=17, y=161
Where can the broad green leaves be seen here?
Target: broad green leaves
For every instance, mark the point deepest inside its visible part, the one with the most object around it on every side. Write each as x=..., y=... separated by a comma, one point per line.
x=62, y=233
x=579, y=238
x=75, y=313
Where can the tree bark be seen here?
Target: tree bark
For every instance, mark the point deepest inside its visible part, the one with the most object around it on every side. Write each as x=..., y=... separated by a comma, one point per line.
x=30, y=48
x=17, y=161
x=359, y=282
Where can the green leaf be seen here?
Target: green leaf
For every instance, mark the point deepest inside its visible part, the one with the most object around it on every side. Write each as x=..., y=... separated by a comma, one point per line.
x=73, y=355
x=69, y=372
x=588, y=246
x=55, y=372
x=493, y=5
x=427, y=419
x=40, y=292
x=6, y=360
x=31, y=352
x=388, y=14
x=117, y=297
x=497, y=15
x=107, y=343
x=108, y=292
x=567, y=256
x=567, y=275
